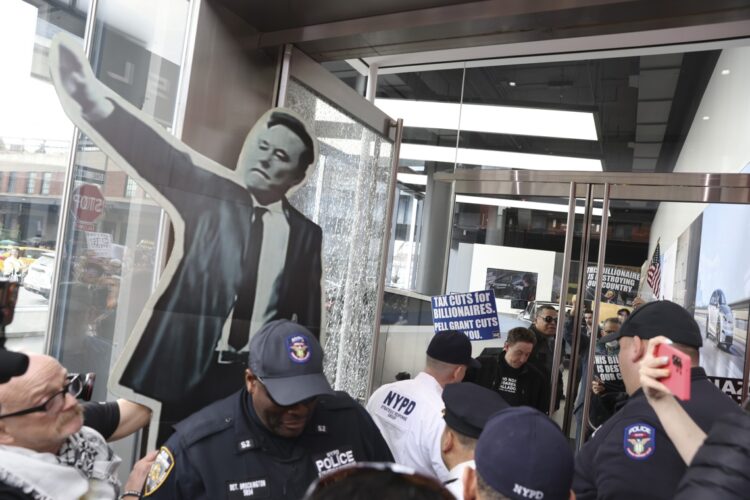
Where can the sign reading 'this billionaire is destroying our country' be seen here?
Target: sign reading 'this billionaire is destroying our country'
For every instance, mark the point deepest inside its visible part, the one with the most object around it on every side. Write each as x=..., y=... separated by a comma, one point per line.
x=473, y=313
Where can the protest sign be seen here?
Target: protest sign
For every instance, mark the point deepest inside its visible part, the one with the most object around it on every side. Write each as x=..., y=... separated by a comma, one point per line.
x=473, y=313
x=619, y=284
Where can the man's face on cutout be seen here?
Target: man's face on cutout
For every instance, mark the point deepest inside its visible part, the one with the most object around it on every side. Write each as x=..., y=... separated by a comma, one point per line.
x=271, y=163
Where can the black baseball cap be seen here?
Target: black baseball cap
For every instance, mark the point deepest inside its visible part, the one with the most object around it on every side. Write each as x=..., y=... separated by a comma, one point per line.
x=660, y=317
x=468, y=406
x=522, y=454
x=452, y=347
x=288, y=360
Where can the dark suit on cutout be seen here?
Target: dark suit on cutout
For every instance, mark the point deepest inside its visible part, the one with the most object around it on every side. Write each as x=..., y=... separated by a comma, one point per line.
x=177, y=346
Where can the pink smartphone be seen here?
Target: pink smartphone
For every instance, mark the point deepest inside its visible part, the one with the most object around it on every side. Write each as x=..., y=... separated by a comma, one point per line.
x=678, y=380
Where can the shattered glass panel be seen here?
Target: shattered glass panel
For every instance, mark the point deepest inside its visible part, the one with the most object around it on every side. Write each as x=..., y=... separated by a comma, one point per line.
x=347, y=196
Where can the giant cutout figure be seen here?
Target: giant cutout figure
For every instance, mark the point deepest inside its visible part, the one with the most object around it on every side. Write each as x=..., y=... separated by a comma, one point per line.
x=242, y=256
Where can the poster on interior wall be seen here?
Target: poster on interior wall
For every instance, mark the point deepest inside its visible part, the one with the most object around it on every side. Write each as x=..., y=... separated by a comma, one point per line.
x=517, y=286
x=668, y=264
x=732, y=387
x=619, y=284
x=242, y=255
x=473, y=313
x=722, y=297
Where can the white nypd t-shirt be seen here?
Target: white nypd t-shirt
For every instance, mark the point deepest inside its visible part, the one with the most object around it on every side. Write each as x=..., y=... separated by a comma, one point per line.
x=409, y=414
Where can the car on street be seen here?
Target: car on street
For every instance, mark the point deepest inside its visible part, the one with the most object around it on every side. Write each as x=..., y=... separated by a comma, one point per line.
x=38, y=279
x=720, y=320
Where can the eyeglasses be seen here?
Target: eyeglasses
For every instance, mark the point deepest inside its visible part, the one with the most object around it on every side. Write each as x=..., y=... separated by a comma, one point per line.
x=383, y=473
x=549, y=319
x=56, y=402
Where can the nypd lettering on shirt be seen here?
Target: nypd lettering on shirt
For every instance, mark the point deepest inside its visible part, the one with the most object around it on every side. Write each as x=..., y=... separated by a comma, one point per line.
x=334, y=459
x=397, y=407
x=639, y=441
x=250, y=488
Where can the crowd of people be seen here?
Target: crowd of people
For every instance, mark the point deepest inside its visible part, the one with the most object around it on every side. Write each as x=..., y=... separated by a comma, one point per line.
x=288, y=434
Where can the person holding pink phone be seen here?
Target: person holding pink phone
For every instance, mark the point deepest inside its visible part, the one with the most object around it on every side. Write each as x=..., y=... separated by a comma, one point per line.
x=718, y=462
x=631, y=455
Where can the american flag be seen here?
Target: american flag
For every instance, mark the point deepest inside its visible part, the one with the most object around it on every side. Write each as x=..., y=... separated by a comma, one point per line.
x=654, y=272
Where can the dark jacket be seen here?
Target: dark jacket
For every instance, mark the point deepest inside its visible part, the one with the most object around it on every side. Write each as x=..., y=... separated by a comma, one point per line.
x=721, y=468
x=530, y=388
x=216, y=451
x=542, y=357
x=186, y=320
x=630, y=456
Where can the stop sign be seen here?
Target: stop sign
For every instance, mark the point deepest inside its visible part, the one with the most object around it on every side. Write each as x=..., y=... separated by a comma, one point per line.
x=88, y=203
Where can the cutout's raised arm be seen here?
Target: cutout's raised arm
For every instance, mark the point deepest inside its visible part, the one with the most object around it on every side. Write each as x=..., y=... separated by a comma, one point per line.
x=78, y=81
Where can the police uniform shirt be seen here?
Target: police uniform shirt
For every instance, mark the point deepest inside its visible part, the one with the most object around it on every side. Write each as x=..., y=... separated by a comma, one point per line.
x=223, y=451
x=630, y=456
x=456, y=482
x=409, y=414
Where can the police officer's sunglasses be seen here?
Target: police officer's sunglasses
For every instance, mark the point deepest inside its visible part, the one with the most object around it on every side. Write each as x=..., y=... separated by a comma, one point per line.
x=383, y=473
x=75, y=385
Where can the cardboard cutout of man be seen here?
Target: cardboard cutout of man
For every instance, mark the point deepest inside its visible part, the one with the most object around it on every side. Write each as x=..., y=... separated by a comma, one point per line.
x=225, y=223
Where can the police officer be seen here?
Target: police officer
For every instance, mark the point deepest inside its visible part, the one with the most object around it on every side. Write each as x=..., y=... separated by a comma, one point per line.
x=630, y=456
x=409, y=413
x=467, y=408
x=273, y=437
x=521, y=455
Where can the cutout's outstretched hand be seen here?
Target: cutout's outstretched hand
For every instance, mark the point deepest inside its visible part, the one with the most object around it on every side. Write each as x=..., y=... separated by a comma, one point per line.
x=72, y=75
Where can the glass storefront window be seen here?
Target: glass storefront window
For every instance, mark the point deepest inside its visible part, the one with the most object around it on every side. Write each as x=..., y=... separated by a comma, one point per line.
x=35, y=140
x=109, y=258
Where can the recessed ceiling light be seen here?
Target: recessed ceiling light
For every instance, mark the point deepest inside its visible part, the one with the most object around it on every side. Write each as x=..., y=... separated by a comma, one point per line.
x=706, y=117
x=725, y=71
x=512, y=84
x=500, y=159
x=538, y=122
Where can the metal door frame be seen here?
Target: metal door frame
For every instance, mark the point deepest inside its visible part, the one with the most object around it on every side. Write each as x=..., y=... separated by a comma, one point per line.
x=604, y=186
x=296, y=64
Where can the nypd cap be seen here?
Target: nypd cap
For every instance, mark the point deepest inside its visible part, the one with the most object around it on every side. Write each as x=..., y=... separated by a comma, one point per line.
x=468, y=406
x=288, y=360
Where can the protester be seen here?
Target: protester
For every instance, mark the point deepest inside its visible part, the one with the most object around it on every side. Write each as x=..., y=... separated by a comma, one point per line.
x=409, y=412
x=518, y=382
x=720, y=462
x=632, y=444
x=607, y=387
x=45, y=451
x=542, y=357
x=272, y=438
x=468, y=406
x=521, y=454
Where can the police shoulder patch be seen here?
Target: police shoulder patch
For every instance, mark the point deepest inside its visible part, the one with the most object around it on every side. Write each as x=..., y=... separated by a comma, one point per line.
x=160, y=470
x=639, y=441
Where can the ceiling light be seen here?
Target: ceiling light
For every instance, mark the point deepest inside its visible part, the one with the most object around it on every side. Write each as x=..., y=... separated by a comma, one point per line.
x=421, y=180
x=538, y=122
x=414, y=179
x=502, y=159
x=512, y=84
x=706, y=117
x=725, y=71
x=531, y=205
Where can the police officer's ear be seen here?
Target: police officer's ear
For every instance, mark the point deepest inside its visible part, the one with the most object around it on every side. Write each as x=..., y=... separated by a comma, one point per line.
x=639, y=348
x=251, y=381
x=446, y=440
x=470, y=483
x=572, y=495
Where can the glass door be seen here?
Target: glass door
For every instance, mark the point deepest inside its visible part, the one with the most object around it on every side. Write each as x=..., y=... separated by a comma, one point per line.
x=616, y=231
x=349, y=196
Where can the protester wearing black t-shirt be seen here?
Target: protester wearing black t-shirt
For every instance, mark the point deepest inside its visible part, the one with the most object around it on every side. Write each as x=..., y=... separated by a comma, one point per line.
x=517, y=381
